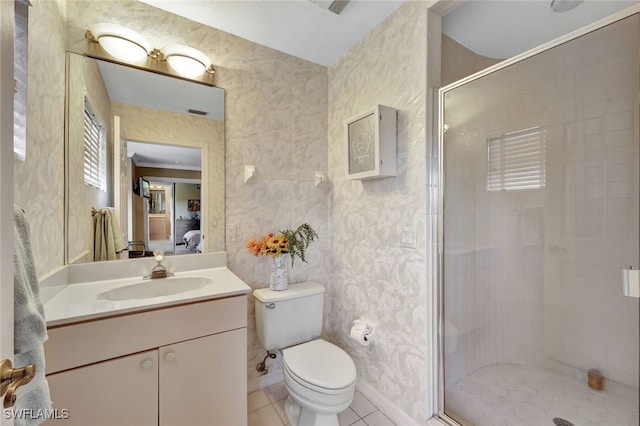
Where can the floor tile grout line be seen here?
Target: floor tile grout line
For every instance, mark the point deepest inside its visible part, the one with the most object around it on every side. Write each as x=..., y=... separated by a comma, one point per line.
x=284, y=422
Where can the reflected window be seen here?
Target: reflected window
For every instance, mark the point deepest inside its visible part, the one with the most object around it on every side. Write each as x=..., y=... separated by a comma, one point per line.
x=20, y=74
x=95, y=150
x=516, y=160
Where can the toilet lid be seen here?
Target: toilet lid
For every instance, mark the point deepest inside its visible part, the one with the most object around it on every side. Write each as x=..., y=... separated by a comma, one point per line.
x=320, y=363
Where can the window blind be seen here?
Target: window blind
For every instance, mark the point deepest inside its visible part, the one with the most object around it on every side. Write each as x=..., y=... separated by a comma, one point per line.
x=94, y=150
x=516, y=160
x=21, y=30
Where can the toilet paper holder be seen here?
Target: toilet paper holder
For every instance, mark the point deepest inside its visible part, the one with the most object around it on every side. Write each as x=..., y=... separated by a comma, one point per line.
x=368, y=329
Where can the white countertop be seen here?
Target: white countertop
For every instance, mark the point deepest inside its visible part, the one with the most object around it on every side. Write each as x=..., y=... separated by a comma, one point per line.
x=80, y=302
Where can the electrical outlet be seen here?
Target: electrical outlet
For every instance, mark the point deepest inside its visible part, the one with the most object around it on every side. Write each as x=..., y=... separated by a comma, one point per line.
x=232, y=232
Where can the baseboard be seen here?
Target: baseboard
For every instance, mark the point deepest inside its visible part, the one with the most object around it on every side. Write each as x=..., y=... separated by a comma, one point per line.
x=435, y=421
x=395, y=414
x=262, y=382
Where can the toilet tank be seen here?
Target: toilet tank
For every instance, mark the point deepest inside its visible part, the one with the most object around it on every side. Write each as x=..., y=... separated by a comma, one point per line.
x=286, y=318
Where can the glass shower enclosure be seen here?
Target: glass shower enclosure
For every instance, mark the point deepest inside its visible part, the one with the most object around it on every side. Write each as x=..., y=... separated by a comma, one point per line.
x=540, y=192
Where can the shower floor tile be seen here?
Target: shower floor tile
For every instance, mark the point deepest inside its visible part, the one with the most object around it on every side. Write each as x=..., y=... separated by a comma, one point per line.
x=515, y=395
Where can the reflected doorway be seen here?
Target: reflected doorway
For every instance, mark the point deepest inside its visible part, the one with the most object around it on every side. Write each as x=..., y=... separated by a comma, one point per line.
x=167, y=216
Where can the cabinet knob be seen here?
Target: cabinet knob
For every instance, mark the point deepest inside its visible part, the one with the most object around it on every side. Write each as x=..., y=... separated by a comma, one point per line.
x=146, y=365
x=170, y=356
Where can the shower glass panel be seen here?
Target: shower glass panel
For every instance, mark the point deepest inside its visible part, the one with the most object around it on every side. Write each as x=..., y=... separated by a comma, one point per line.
x=540, y=190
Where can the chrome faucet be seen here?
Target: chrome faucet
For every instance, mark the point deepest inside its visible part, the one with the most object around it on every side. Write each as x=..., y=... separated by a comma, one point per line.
x=159, y=270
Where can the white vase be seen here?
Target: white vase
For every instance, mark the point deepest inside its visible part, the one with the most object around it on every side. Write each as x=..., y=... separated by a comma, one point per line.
x=279, y=279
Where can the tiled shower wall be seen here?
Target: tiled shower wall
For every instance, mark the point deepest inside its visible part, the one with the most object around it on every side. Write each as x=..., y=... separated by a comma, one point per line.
x=594, y=130
x=534, y=276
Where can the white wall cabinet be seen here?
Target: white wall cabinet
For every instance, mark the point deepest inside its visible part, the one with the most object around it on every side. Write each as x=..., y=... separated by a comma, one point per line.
x=371, y=144
x=193, y=371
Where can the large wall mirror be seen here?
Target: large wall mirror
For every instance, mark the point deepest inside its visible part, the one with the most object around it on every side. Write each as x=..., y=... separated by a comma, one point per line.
x=148, y=148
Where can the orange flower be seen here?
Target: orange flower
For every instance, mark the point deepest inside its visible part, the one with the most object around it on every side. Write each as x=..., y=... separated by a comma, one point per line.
x=270, y=245
x=254, y=247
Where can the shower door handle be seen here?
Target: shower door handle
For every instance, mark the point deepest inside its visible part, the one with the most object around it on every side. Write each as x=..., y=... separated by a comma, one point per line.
x=631, y=281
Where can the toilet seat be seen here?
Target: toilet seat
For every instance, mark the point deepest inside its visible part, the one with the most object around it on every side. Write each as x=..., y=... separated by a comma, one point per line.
x=320, y=366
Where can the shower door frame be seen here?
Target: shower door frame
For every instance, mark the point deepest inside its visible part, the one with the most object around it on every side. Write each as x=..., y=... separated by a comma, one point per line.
x=438, y=276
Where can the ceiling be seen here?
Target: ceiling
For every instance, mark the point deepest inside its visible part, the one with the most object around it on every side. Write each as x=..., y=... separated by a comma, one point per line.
x=133, y=86
x=498, y=29
x=297, y=27
x=502, y=29
x=153, y=155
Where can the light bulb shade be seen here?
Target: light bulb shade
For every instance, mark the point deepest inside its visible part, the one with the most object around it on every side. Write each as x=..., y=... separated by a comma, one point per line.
x=121, y=42
x=187, y=61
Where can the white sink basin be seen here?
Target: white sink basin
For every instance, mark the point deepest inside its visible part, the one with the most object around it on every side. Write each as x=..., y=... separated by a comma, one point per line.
x=154, y=288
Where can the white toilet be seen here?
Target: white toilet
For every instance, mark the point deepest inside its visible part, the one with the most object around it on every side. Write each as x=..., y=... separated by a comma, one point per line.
x=320, y=377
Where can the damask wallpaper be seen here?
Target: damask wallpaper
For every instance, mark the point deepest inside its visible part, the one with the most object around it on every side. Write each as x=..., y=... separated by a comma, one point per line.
x=86, y=82
x=39, y=181
x=285, y=116
x=275, y=119
x=372, y=276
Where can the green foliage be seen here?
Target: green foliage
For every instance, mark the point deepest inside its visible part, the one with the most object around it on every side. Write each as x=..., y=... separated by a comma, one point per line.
x=299, y=240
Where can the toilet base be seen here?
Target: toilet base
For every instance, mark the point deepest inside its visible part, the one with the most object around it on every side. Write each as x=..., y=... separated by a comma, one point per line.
x=298, y=416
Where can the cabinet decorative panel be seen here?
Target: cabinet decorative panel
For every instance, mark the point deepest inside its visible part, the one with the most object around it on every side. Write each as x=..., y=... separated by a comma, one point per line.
x=123, y=391
x=209, y=375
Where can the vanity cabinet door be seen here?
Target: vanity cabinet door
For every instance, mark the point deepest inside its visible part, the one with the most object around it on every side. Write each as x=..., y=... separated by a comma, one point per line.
x=123, y=392
x=204, y=381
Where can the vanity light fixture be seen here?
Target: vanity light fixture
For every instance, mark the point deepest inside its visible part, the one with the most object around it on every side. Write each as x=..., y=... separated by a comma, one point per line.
x=120, y=42
x=187, y=61
x=115, y=43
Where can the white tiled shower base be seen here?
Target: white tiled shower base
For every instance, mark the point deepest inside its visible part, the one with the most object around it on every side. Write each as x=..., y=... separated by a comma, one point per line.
x=515, y=395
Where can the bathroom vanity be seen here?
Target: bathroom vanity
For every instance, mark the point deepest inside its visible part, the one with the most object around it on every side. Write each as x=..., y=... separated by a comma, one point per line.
x=174, y=359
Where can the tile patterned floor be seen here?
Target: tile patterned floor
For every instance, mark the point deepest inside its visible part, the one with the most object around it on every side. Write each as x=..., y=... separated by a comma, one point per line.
x=513, y=395
x=266, y=408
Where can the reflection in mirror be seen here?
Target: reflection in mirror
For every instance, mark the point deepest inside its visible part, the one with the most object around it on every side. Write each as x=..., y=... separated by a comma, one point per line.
x=148, y=147
x=171, y=220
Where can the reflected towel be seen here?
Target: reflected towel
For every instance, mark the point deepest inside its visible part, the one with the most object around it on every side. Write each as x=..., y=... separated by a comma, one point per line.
x=30, y=327
x=108, y=241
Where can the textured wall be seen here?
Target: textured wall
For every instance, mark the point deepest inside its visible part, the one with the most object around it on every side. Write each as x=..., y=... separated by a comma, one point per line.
x=275, y=119
x=85, y=81
x=277, y=110
x=371, y=274
x=39, y=181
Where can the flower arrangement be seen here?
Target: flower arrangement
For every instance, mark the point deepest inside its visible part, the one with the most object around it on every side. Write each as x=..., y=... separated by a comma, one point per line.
x=287, y=241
